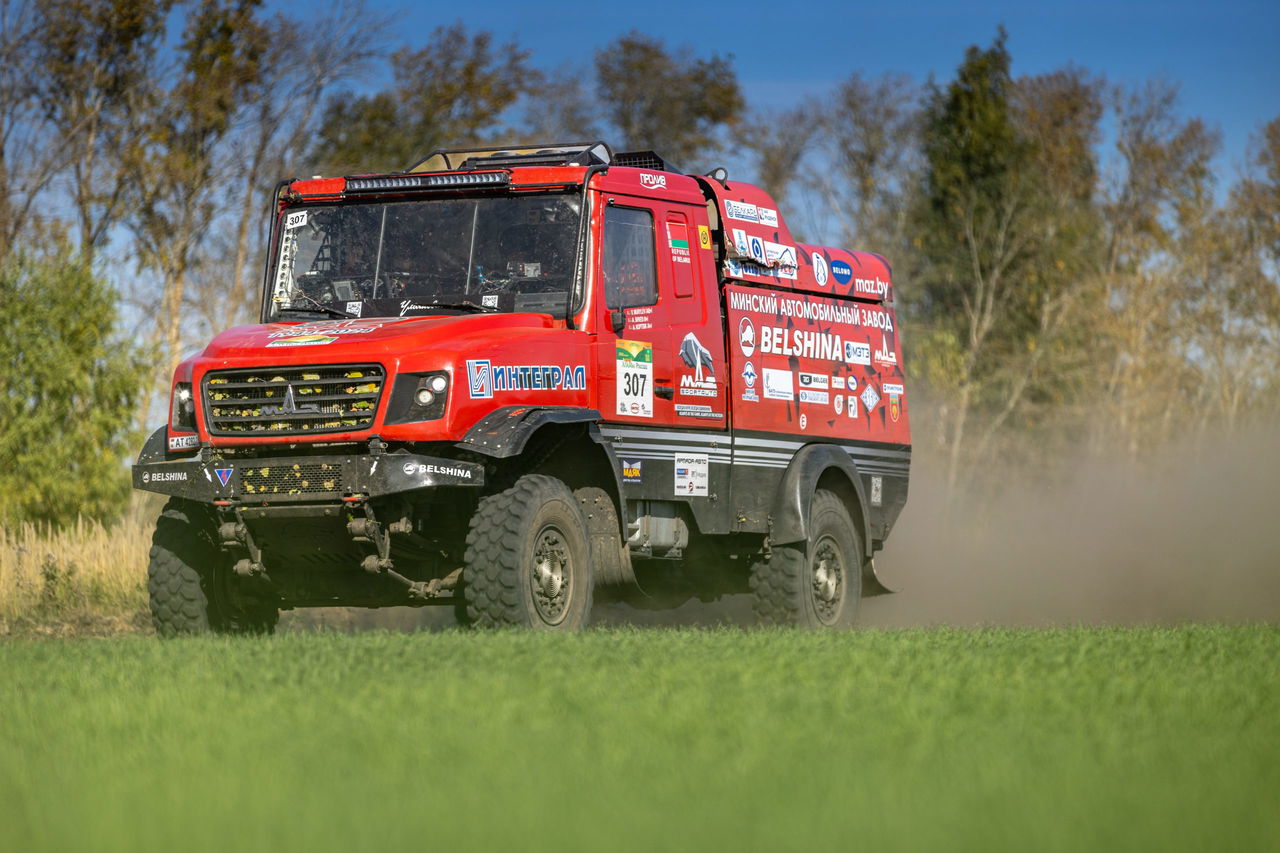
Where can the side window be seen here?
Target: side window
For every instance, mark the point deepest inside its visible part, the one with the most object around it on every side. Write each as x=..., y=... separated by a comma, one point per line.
x=628, y=268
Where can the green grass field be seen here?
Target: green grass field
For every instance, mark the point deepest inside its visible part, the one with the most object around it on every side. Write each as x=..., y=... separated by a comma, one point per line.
x=1088, y=739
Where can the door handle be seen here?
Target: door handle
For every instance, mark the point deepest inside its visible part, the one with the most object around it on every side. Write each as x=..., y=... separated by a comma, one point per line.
x=666, y=392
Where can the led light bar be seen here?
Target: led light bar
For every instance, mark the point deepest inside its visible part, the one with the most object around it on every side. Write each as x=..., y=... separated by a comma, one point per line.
x=428, y=182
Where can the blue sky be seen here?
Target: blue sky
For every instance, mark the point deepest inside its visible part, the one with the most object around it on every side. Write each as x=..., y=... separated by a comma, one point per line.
x=1224, y=54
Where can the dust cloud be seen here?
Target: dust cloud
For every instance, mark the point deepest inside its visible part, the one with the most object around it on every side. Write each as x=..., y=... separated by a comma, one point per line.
x=1190, y=534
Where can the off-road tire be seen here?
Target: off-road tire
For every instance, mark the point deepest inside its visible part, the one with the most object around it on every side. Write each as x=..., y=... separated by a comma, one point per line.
x=187, y=577
x=816, y=584
x=535, y=523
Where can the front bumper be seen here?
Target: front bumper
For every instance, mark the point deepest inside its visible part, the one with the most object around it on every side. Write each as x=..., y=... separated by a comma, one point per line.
x=302, y=479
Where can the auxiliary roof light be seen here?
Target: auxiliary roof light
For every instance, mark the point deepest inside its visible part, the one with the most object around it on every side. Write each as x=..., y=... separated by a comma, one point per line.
x=427, y=182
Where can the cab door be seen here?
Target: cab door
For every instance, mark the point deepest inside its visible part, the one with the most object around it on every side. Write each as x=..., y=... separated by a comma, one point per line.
x=667, y=361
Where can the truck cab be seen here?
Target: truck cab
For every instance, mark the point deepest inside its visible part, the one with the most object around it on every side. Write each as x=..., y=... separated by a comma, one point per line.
x=515, y=381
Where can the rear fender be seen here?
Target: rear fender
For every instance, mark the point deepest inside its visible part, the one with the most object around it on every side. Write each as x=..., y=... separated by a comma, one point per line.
x=795, y=493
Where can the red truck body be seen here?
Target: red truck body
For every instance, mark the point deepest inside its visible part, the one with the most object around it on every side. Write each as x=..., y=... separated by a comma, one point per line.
x=671, y=356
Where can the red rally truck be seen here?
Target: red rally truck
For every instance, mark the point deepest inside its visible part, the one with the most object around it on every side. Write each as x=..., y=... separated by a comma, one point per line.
x=512, y=381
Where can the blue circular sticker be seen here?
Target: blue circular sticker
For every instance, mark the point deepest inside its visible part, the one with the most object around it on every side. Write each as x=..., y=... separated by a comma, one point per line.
x=842, y=271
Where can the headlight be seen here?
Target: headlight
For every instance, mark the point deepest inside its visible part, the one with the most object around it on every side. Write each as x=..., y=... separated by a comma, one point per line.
x=418, y=397
x=182, y=410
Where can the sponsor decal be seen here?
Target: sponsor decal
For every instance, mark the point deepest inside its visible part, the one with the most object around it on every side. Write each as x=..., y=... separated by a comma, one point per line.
x=877, y=491
x=653, y=182
x=741, y=244
x=737, y=268
x=341, y=327
x=783, y=258
x=813, y=388
x=820, y=310
x=841, y=272
x=691, y=387
x=691, y=475
x=489, y=300
x=804, y=422
x=768, y=216
x=296, y=219
x=183, y=442
x=165, y=477
x=747, y=336
x=873, y=286
x=704, y=236
x=224, y=475
x=852, y=405
x=870, y=398
x=303, y=341
x=407, y=305
x=632, y=471
x=839, y=403
x=756, y=249
x=484, y=378
x=885, y=355
x=778, y=384
x=894, y=393
x=422, y=468
x=741, y=210
x=696, y=356
x=690, y=410
x=820, y=271
x=354, y=308
x=857, y=352
x=749, y=379
x=837, y=382
x=635, y=378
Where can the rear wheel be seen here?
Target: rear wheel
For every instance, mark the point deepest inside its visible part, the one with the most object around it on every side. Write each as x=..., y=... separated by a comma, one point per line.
x=527, y=561
x=817, y=584
x=189, y=579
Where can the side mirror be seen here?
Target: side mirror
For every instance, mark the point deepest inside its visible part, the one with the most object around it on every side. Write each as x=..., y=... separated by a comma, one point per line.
x=618, y=320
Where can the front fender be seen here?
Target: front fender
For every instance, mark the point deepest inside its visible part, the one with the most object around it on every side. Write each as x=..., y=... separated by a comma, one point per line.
x=504, y=432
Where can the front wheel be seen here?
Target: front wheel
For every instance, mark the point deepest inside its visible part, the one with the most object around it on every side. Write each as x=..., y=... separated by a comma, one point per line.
x=189, y=579
x=817, y=584
x=527, y=561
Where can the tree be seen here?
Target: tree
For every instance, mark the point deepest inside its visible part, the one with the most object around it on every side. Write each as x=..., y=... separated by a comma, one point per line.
x=873, y=142
x=70, y=394
x=670, y=103
x=178, y=172
x=95, y=61
x=451, y=93
x=30, y=154
x=1001, y=219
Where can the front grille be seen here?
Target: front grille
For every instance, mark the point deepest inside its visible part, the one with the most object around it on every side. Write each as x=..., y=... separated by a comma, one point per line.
x=293, y=400
x=302, y=478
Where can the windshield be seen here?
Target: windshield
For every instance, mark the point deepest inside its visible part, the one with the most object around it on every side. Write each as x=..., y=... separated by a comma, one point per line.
x=500, y=253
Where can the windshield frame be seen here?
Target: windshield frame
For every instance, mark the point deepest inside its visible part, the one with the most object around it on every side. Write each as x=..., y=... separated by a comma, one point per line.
x=564, y=207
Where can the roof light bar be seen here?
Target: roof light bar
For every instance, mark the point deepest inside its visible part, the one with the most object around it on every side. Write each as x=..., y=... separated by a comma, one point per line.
x=427, y=182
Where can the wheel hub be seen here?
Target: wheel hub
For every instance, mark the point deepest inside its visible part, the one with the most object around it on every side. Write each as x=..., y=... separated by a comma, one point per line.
x=827, y=581
x=550, y=581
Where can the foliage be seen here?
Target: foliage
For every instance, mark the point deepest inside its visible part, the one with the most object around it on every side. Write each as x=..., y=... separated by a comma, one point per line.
x=450, y=93
x=669, y=103
x=72, y=389
x=1064, y=740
